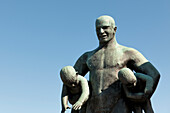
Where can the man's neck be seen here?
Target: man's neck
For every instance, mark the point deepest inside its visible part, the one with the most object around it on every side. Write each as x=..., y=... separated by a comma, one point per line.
x=112, y=43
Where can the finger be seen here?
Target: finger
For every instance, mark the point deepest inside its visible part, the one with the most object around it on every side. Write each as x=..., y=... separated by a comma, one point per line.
x=79, y=107
x=75, y=107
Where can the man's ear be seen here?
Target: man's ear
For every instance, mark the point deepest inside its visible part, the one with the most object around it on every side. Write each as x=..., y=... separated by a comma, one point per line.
x=115, y=29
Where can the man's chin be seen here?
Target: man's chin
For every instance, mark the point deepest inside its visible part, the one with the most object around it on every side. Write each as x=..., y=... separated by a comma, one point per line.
x=104, y=40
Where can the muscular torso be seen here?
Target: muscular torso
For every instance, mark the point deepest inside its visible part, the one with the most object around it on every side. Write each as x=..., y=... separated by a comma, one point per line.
x=104, y=65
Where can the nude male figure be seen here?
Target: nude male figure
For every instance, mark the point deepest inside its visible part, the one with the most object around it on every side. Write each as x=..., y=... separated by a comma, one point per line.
x=104, y=63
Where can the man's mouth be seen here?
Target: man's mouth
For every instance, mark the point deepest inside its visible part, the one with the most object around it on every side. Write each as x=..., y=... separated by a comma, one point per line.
x=103, y=36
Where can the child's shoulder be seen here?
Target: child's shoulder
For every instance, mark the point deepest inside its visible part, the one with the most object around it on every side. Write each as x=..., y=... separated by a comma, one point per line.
x=81, y=78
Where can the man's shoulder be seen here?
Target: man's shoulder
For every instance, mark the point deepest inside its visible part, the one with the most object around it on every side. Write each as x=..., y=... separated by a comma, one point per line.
x=128, y=50
x=89, y=53
x=134, y=55
x=81, y=79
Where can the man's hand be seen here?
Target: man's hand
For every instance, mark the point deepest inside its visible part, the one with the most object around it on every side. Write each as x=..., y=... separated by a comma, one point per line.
x=77, y=105
x=65, y=108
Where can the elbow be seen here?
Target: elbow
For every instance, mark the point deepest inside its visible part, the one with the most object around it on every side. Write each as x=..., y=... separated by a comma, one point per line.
x=156, y=81
x=157, y=76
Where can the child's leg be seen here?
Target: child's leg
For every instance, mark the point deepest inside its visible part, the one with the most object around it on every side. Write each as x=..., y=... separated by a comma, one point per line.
x=137, y=109
x=148, y=107
x=74, y=111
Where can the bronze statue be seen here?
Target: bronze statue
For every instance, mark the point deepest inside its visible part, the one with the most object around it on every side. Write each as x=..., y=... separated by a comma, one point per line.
x=104, y=63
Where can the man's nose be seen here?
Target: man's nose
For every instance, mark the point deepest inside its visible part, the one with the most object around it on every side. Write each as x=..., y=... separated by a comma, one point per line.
x=101, y=30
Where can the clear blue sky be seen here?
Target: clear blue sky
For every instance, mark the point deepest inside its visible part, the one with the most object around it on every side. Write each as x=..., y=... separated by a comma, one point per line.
x=39, y=37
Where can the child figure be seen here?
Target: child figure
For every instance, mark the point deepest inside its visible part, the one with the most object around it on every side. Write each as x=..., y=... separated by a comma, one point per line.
x=75, y=89
x=136, y=87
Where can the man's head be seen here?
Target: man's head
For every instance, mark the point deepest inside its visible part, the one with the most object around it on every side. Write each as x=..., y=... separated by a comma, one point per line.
x=105, y=28
x=68, y=76
x=127, y=77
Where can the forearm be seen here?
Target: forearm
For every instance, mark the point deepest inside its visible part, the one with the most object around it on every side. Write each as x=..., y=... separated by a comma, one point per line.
x=85, y=92
x=64, y=101
x=64, y=98
x=156, y=76
x=84, y=97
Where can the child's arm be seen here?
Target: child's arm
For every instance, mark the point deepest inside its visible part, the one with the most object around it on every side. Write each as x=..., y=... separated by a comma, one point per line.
x=133, y=96
x=149, y=83
x=84, y=95
x=64, y=99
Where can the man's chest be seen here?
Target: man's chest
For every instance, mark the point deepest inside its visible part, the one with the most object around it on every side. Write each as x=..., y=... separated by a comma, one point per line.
x=106, y=59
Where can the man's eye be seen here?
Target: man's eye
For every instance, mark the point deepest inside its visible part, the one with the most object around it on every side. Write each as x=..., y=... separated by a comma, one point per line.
x=105, y=27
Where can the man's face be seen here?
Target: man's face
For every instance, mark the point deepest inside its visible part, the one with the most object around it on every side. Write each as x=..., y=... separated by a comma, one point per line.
x=104, y=30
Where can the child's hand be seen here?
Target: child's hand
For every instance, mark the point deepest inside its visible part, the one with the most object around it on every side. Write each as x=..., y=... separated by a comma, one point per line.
x=77, y=105
x=64, y=109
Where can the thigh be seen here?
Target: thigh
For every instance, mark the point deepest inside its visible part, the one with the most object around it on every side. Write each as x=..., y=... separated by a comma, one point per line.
x=137, y=109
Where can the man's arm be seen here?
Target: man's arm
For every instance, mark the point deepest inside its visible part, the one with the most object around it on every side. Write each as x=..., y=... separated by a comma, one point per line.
x=148, y=80
x=140, y=64
x=81, y=65
x=84, y=95
x=64, y=99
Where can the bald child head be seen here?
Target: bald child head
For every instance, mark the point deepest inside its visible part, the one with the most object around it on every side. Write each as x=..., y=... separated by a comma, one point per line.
x=126, y=76
x=68, y=74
